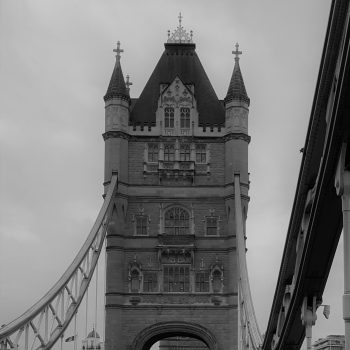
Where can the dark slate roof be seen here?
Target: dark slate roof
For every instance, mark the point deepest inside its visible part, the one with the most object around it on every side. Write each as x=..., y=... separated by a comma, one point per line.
x=117, y=87
x=180, y=60
x=236, y=89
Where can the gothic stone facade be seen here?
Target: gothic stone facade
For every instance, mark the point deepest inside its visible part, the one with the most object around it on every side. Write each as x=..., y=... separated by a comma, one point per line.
x=171, y=247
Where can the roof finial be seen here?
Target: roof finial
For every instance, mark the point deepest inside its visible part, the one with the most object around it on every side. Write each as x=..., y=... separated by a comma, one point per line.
x=180, y=19
x=128, y=82
x=118, y=50
x=237, y=53
x=180, y=35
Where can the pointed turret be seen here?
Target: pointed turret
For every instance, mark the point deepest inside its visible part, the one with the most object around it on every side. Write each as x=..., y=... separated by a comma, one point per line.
x=236, y=90
x=236, y=124
x=117, y=112
x=117, y=87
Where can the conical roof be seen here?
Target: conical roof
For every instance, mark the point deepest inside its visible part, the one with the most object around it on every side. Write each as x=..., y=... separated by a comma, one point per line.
x=236, y=90
x=93, y=334
x=117, y=87
x=179, y=59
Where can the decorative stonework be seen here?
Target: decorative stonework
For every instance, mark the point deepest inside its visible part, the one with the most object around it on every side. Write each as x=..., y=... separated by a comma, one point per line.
x=237, y=136
x=176, y=94
x=176, y=299
x=180, y=35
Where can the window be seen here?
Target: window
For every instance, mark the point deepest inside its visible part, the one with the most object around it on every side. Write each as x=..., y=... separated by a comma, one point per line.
x=150, y=283
x=185, y=152
x=169, y=152
x=152, y=152
x=202, y=282
x=169, y=117
x=135, y=281
x=212, y=225
x=177, y=222
x=184, y=117
x=176, y=278
x=201, y=153
x=141, y=225
x=217, y=283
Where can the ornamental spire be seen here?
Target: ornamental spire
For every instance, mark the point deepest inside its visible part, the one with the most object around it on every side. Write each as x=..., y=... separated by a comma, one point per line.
x=180, y=35
x=236, y=90
x=117, y=86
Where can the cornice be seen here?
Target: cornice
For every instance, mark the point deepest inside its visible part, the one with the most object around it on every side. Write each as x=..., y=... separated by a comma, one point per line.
x=115, y=134
x=237, y=136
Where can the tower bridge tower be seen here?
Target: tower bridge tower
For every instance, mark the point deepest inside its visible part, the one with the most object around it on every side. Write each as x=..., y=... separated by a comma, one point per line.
x=171, y=245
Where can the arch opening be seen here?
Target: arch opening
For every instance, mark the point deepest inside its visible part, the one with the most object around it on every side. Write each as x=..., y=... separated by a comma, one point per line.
x=174, y=335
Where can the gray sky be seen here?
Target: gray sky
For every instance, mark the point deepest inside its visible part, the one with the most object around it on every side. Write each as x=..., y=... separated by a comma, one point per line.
x=56, y=60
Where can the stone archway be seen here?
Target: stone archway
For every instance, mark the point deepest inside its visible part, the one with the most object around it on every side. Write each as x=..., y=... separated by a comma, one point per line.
x=148, y=336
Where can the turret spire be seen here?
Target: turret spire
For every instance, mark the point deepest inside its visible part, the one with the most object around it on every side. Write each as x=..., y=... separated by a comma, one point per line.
x=236, y=90
x=117, y=86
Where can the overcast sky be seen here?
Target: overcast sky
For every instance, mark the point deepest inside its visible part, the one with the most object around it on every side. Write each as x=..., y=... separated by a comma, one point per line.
x=56, y=60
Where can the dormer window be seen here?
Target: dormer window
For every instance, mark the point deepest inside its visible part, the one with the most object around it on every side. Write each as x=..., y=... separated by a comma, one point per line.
x=169, y=117
x=185, y=118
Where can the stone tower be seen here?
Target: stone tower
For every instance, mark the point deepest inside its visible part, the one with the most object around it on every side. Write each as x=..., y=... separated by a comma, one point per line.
x=171, y=245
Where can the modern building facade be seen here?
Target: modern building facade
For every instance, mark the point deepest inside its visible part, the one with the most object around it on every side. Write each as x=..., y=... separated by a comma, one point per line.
x=171, y=244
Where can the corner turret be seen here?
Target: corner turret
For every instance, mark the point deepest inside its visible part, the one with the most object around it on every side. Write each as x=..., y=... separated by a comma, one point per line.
x=236, y=124
x=117, y=114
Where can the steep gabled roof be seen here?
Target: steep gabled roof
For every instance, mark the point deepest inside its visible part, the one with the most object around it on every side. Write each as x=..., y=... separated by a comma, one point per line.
x=179, y=59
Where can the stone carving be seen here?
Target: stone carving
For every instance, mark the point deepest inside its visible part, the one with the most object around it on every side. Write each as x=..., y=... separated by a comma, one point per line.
x=176, y=299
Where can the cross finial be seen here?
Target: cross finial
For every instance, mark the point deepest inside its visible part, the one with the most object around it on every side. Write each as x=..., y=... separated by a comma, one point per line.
x=118, y=50
x=236, y=52
x=127, y=84
x=180, y=19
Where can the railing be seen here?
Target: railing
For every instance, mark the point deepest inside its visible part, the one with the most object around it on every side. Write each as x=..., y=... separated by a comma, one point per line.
x=45, y=322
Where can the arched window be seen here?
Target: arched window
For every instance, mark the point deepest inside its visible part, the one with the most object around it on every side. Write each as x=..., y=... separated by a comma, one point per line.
x=135, y=281
x=169, y=117
x=177, y=221
x=185, y=117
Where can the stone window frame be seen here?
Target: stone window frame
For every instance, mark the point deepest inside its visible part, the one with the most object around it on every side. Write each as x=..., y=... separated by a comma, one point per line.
x=190, y=219
x=206, y=281
x=152, y=152
x=185, y=117
x=169, y=152
x=186, y=282
x=218, y=220
x=169, y=117
x=156, y=282
x=137, y=216
x=201, y=153
x=185, y=152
